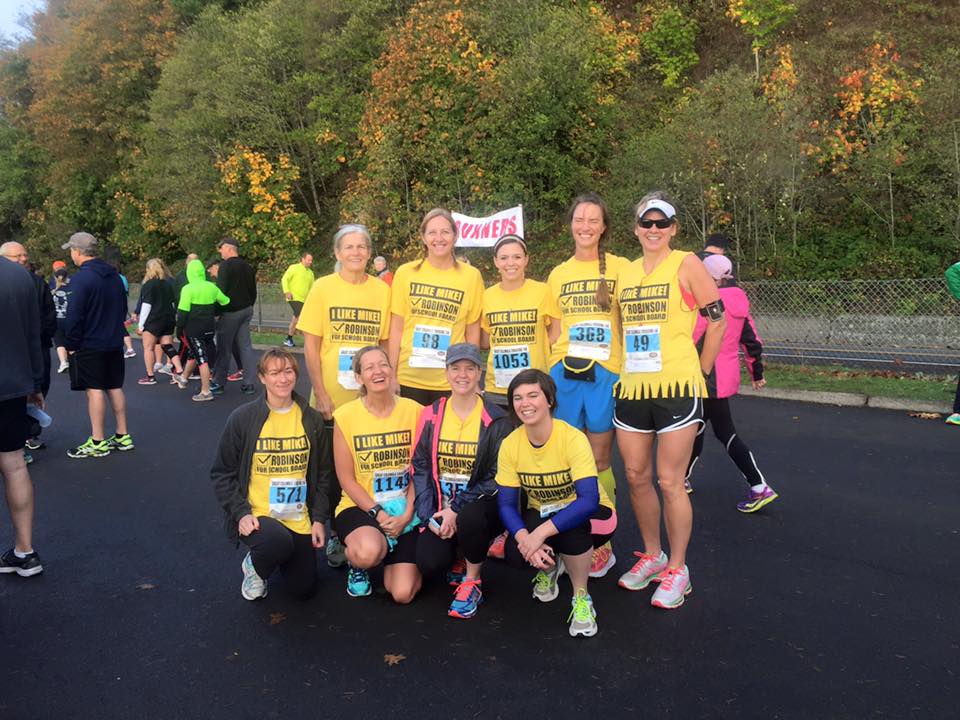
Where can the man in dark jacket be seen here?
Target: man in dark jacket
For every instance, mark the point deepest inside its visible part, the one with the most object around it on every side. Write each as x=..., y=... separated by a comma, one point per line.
x=93, y=332
x=238, y=281
x=48, y=325
x=20, y=381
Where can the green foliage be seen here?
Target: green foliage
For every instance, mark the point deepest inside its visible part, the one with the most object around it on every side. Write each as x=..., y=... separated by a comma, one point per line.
x=762, y=19
x=671, y=41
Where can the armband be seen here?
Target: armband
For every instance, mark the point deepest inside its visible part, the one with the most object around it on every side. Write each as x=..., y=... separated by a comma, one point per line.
x=713, y=312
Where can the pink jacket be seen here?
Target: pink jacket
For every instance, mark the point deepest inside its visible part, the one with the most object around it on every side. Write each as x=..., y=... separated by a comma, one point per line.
x=740, y=332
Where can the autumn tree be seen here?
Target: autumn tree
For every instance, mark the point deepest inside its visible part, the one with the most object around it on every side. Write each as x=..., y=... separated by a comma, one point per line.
x=762, y=20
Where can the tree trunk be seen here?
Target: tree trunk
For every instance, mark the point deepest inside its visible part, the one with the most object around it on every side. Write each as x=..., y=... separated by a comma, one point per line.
x=893, y=240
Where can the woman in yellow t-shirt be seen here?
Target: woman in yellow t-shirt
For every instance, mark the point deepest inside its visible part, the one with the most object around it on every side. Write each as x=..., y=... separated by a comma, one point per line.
x=514, y=321
x=344, y=311
x=373, y=439
x=585, y=352
x=567, y=511
x=661, y=390
x=435, y=303
x=270, y=476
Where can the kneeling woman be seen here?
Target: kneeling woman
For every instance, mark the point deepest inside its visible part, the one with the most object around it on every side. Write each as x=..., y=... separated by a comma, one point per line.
x=372, y=440
x=270, y=478
x=567, y=512
x=454, y=473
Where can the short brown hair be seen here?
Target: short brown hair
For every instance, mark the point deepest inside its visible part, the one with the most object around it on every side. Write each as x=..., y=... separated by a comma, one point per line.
x=284, y=356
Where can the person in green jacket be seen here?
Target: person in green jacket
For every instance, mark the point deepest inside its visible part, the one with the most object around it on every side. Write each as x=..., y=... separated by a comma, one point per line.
x=296, y=283
x=196, y=321
x=953, y=283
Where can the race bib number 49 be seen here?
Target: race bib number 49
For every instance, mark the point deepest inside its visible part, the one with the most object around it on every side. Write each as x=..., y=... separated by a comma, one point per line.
x=642, y=346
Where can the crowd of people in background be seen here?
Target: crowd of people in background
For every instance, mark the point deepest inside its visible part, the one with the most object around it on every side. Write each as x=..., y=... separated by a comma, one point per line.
x=447, y=423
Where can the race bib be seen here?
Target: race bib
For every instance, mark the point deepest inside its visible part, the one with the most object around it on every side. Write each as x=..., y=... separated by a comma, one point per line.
x=430, y=344
x=450, y=485
x=508, y=361
x=288, y=498
x=389, y=485
x=551, y=509
x=642, y=344
x=590, y=340
x=345, y=374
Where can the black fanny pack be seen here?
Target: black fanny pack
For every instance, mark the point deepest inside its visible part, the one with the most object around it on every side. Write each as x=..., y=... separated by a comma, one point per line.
x=582, y=369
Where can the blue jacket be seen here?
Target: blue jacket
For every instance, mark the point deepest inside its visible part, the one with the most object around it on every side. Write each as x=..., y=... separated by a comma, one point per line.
x=97, y=308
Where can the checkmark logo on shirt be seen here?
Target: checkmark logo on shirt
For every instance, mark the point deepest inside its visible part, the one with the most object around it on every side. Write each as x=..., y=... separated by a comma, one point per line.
x=364, y=456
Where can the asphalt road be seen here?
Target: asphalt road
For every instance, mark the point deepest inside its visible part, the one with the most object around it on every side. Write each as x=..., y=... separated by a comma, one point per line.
x=837, y=601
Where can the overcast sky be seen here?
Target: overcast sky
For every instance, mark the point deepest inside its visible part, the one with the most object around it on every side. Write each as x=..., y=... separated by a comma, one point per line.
x=10, y=10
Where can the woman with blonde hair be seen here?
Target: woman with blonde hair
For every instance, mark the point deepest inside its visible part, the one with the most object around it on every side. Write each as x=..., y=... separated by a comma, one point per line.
x=156, y=322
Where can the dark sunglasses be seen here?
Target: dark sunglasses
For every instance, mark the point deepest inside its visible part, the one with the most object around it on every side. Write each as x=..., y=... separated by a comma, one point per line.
x=661, y=224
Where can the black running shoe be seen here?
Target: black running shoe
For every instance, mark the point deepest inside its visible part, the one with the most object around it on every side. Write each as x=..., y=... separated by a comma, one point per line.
x=24, y=567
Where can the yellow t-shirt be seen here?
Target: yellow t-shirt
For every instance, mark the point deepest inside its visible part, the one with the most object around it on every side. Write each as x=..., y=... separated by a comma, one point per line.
x=547, y=474
x=278, y=484
x=659, y=357
x=436, y=306
x=457, y=450
x=586, y=330
x=347, y=317
x=381, y=448
x=516, y=322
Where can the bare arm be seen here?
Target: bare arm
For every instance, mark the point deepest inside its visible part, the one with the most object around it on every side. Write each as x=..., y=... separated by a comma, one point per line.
x=553, y=331
x=472, y=333
x=312, y=345
x=343, y=461
x=393, y=342
x=484, y=340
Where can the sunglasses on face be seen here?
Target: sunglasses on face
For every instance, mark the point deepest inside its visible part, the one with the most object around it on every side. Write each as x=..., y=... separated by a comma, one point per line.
x=661, y=224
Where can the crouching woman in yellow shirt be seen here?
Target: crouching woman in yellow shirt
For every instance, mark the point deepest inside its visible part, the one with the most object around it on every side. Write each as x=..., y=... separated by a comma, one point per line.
x=567, y=512
x=373, y=438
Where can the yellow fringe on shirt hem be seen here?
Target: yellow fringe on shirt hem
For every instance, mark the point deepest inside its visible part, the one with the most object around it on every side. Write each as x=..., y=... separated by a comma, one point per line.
x=675, y=389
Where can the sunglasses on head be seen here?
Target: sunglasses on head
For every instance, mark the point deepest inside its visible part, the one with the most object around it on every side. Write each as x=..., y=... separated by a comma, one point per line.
x=661, y=224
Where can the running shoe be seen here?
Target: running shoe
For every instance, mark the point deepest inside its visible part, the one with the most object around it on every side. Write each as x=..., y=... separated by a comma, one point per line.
x=288, y=342
x=457, y=572
x=336, y=556
x=64, y=366
x=646, y=569
x=583, y=616
x=27, y=458
x=674, y=587
x=180, y=381
x=122, y=443
x=34, y=444
x=253, y=586
x=147, y=380
x=466, y=599
x=603, y=560
x=248, y=389
x=358, y=582
x=498, y=548
x=235, y=377
x=953, y=419
x=22, y=566
x=545, y=582
x=203, y=397
x=216, y=389
x=756, y=500
x=90, y=448
x=194, y=376
x=129, y=353
x=164, y=369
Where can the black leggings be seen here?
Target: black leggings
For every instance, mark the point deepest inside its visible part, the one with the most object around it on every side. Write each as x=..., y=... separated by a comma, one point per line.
x=575, y=541
x=956, y=398
x=335, y=492
x=717, y=411
x=478, y=523
x=275, y=546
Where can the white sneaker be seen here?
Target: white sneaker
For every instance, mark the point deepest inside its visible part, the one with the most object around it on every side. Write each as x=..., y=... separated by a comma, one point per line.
x=64, y=366
x=253, y=587
x=583, y=616
x=165, y=369
x=545, y=582
x=129, y=353
x=644, y=571
x=674, y=587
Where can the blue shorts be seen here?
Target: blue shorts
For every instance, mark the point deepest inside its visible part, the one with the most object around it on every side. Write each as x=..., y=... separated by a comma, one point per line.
x=586, y=405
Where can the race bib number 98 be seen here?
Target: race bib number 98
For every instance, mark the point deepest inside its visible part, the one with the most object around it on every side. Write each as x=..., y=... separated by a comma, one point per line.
x=430, y=345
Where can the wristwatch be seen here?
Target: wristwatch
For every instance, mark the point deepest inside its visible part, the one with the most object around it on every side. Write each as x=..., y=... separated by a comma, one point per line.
x=374, y=511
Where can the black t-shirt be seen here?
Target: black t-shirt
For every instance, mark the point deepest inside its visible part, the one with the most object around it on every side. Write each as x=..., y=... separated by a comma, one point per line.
x=159, y=294
x=239, y=283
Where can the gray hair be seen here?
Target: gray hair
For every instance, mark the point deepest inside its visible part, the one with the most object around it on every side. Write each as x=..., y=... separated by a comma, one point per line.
x=350, y=229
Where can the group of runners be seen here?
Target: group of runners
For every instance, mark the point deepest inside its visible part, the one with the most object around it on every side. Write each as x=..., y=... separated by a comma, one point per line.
x=427, y=458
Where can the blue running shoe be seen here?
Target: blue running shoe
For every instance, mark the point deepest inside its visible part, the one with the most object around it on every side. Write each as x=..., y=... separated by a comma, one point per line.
x=358, y=582
x=466, y=599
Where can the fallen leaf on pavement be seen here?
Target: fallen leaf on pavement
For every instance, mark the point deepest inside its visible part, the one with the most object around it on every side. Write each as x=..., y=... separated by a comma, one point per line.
x=393, y=659
x=145, y=586
x=277, y=618
x=924, y=415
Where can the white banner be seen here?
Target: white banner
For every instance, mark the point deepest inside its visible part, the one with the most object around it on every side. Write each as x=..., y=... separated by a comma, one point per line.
x=484, y=232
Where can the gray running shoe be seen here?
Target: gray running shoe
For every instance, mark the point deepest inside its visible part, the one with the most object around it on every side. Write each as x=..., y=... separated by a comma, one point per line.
x=545, y=582
x=583, y=616
x=253, y=587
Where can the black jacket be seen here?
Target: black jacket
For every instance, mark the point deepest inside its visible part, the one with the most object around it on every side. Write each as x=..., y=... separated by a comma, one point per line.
x=239, y=283
x=97, y=308
x=494, y=427
x=231, y=467
x=48, y=312
x=20, y=357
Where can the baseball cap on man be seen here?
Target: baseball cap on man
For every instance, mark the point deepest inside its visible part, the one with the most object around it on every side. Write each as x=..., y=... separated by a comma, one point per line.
x=81, y=241
x=464, y=351
x=227, y=241
x=58, y=264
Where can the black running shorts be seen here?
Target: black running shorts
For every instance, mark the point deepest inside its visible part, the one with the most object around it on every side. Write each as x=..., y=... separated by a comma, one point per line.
x=657, y=415
x=405, y=551
x=202, y=348
x=96, y=370
x=13, y=424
